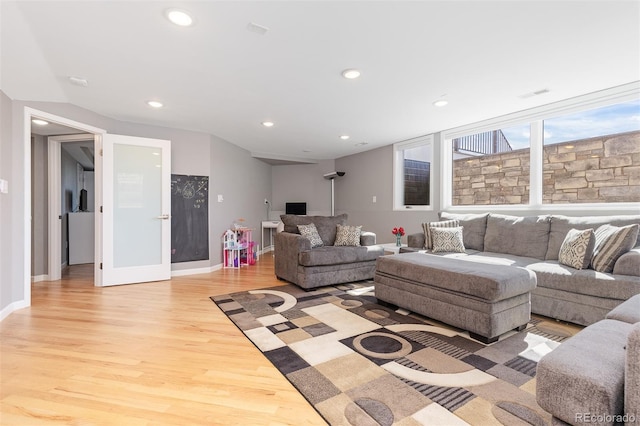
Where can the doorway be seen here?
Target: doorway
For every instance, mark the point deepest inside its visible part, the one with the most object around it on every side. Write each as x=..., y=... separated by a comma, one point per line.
x=71, y=224
x=55, y=125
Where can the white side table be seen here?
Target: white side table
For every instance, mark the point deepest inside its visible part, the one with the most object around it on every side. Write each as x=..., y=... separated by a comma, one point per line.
x=391, y=248
x=270, y=225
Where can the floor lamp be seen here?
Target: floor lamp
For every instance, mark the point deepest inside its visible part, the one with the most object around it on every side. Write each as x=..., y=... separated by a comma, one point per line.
x=332, y=177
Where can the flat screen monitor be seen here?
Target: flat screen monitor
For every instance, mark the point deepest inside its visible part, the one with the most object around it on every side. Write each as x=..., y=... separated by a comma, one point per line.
x=296, y=208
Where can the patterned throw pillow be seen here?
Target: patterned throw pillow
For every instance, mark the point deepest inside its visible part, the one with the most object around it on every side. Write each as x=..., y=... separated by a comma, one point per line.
x=447, y=239
x=577, y=248
x=310, y=232
x=611, y=243
x=348, y=235
x=426, y=227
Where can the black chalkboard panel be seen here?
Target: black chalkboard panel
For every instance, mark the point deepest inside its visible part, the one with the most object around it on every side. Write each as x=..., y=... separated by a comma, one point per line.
x=189, y=218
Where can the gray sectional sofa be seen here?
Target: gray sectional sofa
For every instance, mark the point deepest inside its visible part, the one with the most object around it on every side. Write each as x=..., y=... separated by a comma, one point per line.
x=594, y=377
x=533, y=242
x=297, y=262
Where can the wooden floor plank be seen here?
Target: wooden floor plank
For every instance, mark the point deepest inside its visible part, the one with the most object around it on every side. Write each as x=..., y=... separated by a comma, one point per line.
x=144, y=354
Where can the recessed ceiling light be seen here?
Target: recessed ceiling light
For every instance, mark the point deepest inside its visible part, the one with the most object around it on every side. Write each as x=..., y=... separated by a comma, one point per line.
x=344, y=137
x=351, y=74
x=267, y=123
x=440, y=103
x=361, y=144
x=39, y=122
x=179, y=17
x=155, y=104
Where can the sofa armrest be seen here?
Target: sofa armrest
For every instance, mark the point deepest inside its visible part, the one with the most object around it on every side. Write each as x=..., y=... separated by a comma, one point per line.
x=628, y=263
x=367, y=238
x=632, y=374
x=416, y=240
x=286, y=249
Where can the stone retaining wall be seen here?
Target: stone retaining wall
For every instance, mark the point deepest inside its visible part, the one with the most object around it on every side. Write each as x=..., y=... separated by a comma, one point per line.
x=597, y=170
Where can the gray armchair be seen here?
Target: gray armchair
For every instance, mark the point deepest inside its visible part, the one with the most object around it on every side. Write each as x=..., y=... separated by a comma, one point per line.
x=298, y=263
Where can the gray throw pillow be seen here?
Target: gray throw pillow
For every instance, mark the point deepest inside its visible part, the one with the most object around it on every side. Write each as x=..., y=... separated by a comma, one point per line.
x=426, y=227
x=611, y=243
x=577, y=248
x=310, y=232
x=447, y=240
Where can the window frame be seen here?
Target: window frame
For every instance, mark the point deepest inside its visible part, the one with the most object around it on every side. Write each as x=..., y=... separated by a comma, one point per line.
x=535, y=118
x=398, y=173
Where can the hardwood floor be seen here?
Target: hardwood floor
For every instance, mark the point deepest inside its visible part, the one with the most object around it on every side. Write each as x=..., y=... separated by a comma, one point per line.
x=144, y=354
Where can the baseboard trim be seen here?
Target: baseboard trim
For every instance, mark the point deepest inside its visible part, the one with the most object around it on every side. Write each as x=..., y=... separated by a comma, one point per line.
x=183, y=272
x=38, y=278
x=12, y=308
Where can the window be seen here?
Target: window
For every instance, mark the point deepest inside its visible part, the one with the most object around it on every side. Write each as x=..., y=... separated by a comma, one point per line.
x=412, y=174
x=491, y=167
x=580, y=151
x=592, y=156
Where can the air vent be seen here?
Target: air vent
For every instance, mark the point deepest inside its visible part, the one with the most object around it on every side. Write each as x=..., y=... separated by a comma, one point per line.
x=534, y=93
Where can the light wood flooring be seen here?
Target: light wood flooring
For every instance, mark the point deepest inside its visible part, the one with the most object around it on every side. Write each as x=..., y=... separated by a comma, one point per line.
x=156, y=353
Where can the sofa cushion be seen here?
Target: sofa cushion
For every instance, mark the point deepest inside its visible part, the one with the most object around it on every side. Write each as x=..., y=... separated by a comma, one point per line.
x=336, y=255
x=326, y=225
x=474, y=228
x=522, y=236
x=489, y=282
x=447, y=240
x=553, y=275
x=426, y=227
x=348, y=235
x=611, y=243
x=310, y=232
x=560, y=225
x=632, y=375
x=585, y=374
x=628, y=311
x=628, y=263
x=577, y=248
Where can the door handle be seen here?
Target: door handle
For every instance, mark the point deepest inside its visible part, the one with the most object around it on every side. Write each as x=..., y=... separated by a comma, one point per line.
x=164, y=216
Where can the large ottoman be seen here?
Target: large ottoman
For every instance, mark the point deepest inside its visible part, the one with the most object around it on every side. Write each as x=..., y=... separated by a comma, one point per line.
x=485, y=299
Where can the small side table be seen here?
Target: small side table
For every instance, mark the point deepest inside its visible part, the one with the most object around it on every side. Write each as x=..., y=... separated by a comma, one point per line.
x=270, y=225
x=391, y=248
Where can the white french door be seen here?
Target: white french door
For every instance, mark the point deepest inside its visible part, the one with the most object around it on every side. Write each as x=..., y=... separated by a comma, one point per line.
x=136, y=210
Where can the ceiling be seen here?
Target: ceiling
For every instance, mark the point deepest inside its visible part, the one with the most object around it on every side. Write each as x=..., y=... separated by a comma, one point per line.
x=485, y=58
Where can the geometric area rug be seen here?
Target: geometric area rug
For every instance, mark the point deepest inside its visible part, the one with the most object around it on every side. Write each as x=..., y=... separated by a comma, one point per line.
x=361, y=363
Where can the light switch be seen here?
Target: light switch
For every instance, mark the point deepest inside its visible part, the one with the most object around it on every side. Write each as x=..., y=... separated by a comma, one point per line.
x=375, y=199
x=4, y=186
x=220, y=198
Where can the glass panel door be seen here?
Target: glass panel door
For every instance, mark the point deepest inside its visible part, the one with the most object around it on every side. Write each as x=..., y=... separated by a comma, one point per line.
x=136, y=210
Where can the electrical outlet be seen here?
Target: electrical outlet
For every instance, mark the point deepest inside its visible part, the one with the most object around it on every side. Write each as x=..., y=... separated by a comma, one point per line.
x=4, y=186
x=220, y=198
x=374, y=199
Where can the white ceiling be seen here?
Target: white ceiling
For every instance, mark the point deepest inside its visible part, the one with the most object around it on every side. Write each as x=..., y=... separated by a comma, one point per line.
x=218, y=77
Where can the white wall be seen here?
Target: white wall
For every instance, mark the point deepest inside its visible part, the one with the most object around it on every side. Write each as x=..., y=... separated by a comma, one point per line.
x=7, y=201
x=304, y=183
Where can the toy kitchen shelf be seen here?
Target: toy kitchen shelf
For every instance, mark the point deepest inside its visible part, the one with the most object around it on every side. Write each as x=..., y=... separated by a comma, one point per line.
x=238, y=248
